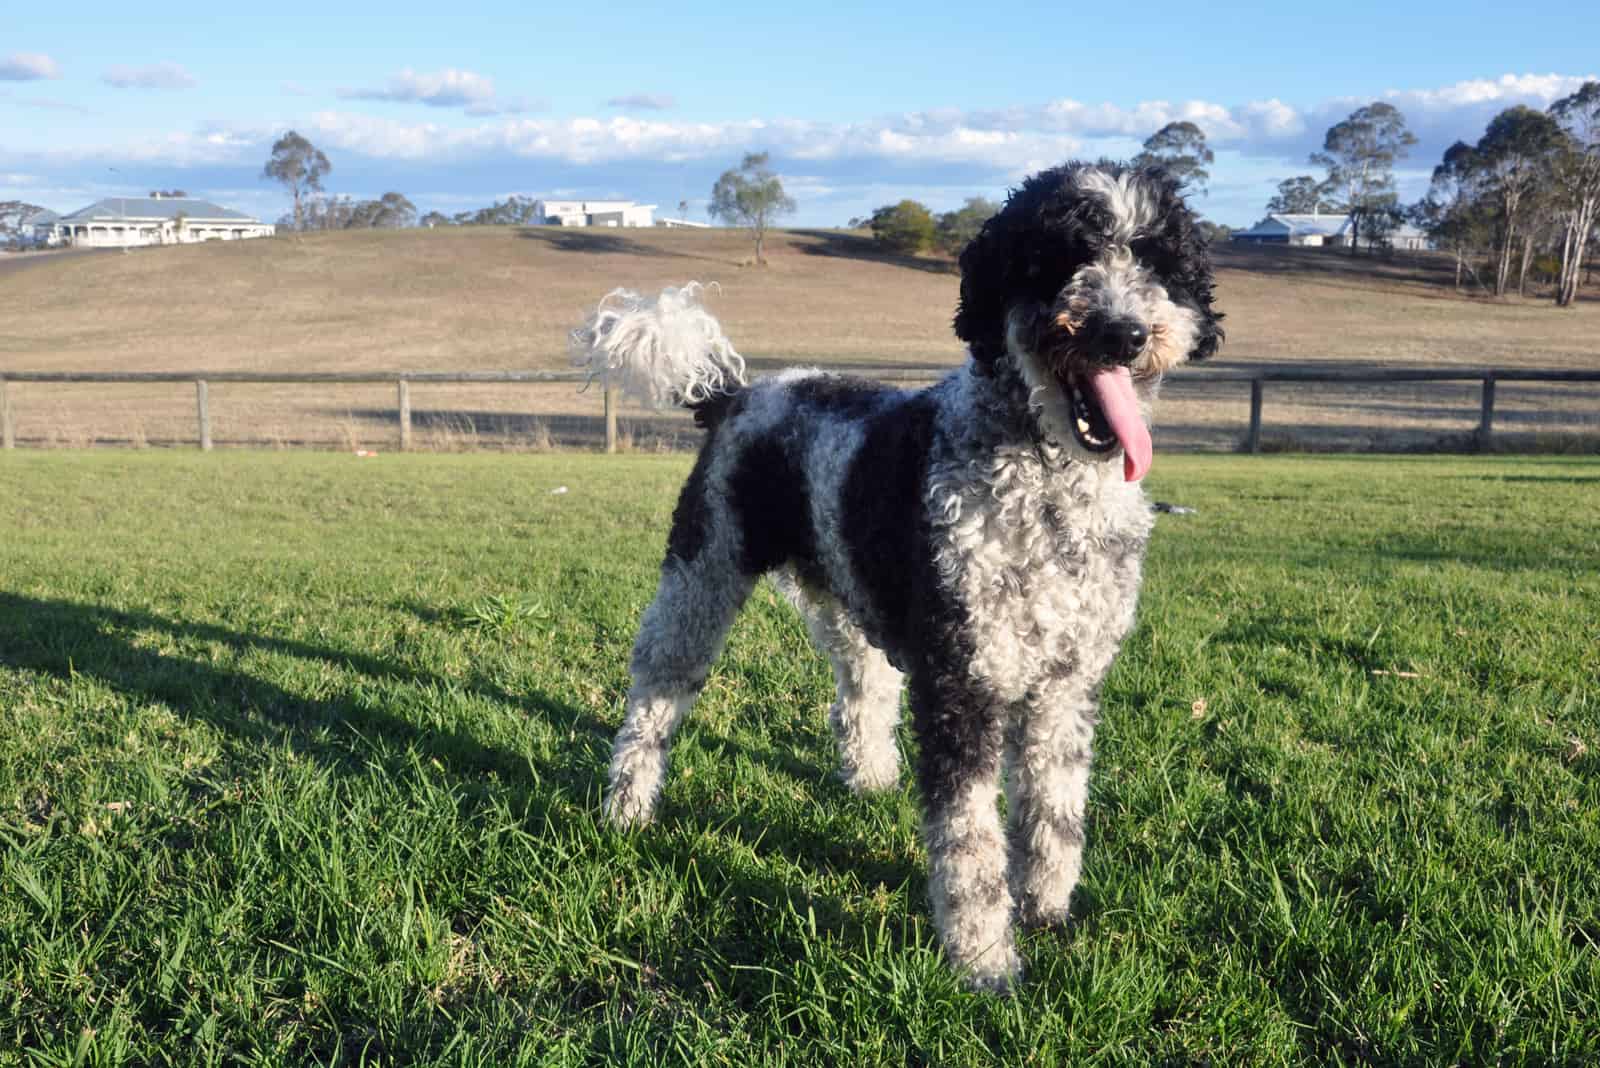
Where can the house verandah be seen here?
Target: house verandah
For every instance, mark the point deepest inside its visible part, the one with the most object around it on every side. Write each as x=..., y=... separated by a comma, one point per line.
x=128, y=222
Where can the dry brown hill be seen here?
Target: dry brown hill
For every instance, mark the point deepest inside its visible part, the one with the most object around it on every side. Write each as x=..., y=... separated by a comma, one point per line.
x=504, y=297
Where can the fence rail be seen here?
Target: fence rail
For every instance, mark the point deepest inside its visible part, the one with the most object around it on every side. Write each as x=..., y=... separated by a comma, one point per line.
x=402, y=381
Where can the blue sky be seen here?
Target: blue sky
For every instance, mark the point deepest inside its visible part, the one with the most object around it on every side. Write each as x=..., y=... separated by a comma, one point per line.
x=456, y=107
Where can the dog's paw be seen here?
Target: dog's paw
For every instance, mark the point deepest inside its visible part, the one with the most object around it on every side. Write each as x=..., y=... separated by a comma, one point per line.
x=1033, y=914
x=626, y=811
x=996, y=971
x=871, y=778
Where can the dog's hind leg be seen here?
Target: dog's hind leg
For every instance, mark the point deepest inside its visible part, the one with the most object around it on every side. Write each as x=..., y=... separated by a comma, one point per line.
x=867, y=706
x=681, y=635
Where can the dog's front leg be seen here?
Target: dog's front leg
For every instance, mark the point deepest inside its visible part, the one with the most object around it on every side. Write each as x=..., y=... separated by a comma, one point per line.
x=1048, y=749
x=959, y=772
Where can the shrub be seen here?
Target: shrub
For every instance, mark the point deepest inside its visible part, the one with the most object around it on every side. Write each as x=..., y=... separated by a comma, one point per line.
x=903, y=227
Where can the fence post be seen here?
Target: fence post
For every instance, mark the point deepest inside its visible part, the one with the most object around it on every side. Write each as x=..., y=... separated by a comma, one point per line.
x=201, y=397
x=8, y=430
x=1486, y=412
x=405, y=415
x=611, y=416
x=1253, y=442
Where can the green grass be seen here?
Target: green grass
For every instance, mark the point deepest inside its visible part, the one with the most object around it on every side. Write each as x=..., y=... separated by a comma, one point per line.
x=300, y=760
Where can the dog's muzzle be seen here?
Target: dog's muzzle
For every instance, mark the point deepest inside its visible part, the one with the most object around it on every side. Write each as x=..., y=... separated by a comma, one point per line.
x=1113, y=341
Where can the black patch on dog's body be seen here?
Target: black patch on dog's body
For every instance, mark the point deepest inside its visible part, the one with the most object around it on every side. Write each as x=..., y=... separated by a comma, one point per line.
x=688, y=534
x=885, y=526
x=771, y=497
x=844, y=396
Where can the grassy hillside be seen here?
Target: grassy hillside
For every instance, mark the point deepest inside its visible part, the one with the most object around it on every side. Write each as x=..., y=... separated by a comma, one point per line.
x=300, y=760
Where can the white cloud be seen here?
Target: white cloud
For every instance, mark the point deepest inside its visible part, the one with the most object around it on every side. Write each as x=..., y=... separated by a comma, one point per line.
x=28, y=67
x=158, y=76
x=947, y=152
x=441, y=89
x=473, y=93
x=643, y=102
x=1508, y=89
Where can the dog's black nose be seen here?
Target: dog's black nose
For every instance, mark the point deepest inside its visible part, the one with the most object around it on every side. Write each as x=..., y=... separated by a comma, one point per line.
x=1120, y=340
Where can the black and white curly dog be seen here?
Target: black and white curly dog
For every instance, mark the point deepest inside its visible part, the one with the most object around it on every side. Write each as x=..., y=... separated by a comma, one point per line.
x=979, y=541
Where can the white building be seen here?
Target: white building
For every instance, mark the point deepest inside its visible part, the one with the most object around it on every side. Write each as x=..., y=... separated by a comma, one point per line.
x=1317, y=229
x=594, y=213
x=125, y=222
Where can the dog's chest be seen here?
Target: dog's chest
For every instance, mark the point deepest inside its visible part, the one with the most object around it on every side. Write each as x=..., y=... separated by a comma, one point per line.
x=1045, y=562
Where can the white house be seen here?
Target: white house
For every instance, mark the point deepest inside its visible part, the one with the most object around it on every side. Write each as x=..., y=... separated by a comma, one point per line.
x=594, y=213
x=1316, y=229
x=125, y=222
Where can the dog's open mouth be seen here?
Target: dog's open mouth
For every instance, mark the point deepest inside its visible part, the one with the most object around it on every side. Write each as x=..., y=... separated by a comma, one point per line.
x=1105, y=414
x=1089, y=424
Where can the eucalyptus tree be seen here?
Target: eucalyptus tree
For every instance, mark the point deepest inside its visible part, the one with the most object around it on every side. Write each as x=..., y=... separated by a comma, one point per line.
x=1359, y=154
x=1577, y=182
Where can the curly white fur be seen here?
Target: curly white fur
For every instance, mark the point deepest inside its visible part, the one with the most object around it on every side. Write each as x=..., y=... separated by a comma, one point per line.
x=661, y=350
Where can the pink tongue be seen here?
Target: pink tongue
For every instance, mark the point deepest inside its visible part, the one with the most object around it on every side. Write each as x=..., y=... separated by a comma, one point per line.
x=1113, y=389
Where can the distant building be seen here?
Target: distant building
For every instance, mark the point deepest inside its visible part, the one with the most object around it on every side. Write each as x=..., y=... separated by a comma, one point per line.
x=594, y=213
x=1316, y=230
x=127, y=222
x=31, y=230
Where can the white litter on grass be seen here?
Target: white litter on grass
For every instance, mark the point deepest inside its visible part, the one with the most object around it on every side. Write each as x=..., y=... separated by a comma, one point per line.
x=558, y=489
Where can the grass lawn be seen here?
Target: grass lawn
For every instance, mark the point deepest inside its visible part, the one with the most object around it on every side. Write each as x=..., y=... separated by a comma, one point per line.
x=300, y=759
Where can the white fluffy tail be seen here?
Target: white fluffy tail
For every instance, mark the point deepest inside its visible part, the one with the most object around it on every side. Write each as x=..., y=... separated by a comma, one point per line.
x=662, y=350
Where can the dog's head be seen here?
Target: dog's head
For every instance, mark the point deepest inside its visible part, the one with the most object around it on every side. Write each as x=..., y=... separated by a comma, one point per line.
x=1092, y=281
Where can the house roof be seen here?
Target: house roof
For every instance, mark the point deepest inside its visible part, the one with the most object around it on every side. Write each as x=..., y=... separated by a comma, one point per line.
x=1326, y=225
x=41, y=218
x=116, y=208
x=1303, y=225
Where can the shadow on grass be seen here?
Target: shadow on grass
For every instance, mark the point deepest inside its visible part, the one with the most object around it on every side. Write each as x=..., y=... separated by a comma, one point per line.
x=589, y=240
x=354, y=736
x=66, y=638
x=840, y=245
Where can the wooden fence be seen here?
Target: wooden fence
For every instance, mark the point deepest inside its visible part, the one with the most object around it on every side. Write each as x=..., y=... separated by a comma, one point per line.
x=1486, y=377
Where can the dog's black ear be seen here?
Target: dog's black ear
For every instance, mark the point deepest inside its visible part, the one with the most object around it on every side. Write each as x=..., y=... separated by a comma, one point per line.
x=1194, y=279
x=985, y=273
x=1201, y=285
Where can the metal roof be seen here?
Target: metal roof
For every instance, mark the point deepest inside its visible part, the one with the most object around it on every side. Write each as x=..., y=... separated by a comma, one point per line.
x=41, y=218
x=115, y=208
x=1326, y=225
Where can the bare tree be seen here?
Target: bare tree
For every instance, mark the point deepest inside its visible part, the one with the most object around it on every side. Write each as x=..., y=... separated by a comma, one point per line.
x=1577, y=180
x=1359, y=154
x=750, y=196
x=299, y=165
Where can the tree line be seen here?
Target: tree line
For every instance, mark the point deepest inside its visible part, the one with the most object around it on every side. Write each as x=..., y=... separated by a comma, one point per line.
x=910, y=227
x=1528, y=191
x=1529, y=188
